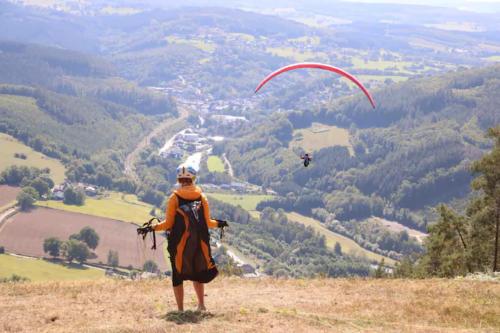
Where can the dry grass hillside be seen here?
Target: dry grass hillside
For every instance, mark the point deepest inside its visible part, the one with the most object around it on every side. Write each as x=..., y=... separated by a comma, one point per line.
x=260, y=305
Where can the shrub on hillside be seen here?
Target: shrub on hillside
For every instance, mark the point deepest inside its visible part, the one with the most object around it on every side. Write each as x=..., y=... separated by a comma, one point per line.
x=150, y=266
x=87, y=235
x=113, y=259
x=2, y=250
x=21, y=156
x=14, y=278
x=76, y=250
x=41, y=184
x=26, y=198
x=74, y=197
x=21, y=175
x=52, y=246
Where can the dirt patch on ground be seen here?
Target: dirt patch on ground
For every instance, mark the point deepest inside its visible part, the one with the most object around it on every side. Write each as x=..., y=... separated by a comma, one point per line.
x=8, y=194
x=24, y=233
x=254, y=305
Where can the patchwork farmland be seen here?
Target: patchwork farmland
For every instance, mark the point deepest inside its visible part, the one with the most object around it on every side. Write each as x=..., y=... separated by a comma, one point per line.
x=24, y=234
x=8, y=195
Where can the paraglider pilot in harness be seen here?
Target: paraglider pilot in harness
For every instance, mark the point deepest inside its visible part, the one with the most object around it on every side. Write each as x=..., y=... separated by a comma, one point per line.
x=187, y=222
x=307, y=159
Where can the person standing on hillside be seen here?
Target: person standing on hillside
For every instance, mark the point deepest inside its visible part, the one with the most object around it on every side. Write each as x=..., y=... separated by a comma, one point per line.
x=187, y=221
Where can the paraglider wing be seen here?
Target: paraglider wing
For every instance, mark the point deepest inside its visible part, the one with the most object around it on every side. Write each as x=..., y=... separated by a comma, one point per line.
x=319, y=66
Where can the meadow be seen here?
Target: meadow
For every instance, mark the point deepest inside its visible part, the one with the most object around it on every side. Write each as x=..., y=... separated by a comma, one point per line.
x=43, y=270
x=296, y=54
x=215, y=164
x=320, y=136
x=111, y=205
x=9, y=146
x=348, y=245
x=198, y=43
x=254, y=305
x=248, y=202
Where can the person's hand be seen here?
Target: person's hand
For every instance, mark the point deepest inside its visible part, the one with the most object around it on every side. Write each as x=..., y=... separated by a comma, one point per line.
x=222, y=223
x=144, y=230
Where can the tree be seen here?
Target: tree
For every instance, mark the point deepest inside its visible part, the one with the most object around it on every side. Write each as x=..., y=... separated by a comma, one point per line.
x=52, y=246
x=489, y=183
x=76, y=250
x=338, y=248
x=445, y=255
x=26, y=198
x=2, y=250
x=89, y=236
x=41, y=185
x=74, y=196
x=113, y=259
x=380, y=271
x=150, y=266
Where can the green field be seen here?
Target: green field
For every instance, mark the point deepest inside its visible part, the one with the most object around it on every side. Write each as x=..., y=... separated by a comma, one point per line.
x=457, y=26
x=215, y=164
x=198, y=43
x=399, y=66
x=382, y=78
x=9, y=146
x=113, y=205
x=109, y=10
x=348, y=245
x=306, y=40
x=320, y=136
x=494, y=58
x=246, y=201
x=296, y=55
x=42, y=270
x=243, y=36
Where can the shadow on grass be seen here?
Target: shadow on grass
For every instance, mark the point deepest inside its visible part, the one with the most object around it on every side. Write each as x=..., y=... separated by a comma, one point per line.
x=71, y=265
x=187, y=317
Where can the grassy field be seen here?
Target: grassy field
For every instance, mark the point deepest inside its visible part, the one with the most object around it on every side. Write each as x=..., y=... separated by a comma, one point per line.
x=306, y=40
x=348, y=245
x=198, y=43
x=457, y=26
x=109, y=10
x=18, y=102
x=494, y=58
x=42, y=270
x=427, y=44
x=399, y=66
x=382, y=78
x=254, y=305
x=296, y=55
x=248, y=202
x=9, y=146
x=113, y=205
x=215, y=164
x=320, y=136
x=241, y=36
x=319, y=21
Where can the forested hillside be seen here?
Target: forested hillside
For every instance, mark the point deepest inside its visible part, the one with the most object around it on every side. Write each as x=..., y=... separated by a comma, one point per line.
x=74, y=107
x=392, y=164
x=410, y=153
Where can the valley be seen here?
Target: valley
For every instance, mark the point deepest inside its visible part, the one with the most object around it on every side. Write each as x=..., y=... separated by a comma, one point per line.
x=146, y=90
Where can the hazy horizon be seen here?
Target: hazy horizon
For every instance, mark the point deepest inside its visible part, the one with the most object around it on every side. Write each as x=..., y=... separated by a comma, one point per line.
x=476, y=5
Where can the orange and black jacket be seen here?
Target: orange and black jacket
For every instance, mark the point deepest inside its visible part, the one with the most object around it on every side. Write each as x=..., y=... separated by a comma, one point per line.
x=189, y=244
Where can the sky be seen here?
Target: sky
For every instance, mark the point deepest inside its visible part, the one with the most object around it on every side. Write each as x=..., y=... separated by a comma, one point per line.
x=431, y=2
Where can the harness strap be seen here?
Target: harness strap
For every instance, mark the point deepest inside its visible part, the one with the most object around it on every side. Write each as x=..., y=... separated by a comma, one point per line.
x=149, y=224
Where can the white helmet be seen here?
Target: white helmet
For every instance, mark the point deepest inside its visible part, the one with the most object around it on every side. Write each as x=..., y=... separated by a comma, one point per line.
x=186, y=171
